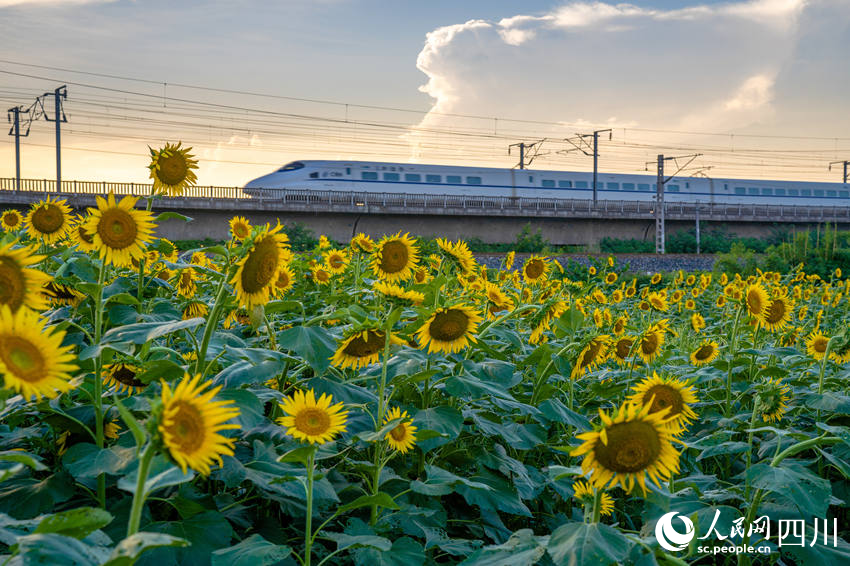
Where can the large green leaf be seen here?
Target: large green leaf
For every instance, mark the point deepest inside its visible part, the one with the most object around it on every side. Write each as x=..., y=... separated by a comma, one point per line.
x=582, y=544
x=522, y=549
x=247, y=373
x=86, y=461
x=313, y=343
x=142, y=332
x=52, y=548
x=77, y=523
x=253, y=551
x=445, y=421
x=206, y=533
x=162, y=474
x=404, y=552
x=25, y=498
x=128, y=551
x=791, y=481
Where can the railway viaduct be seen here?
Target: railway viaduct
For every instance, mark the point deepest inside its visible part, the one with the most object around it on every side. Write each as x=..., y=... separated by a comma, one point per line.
x=339, y=215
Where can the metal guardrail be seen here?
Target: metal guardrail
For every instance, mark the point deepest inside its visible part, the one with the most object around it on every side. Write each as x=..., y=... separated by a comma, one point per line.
x=332, y=201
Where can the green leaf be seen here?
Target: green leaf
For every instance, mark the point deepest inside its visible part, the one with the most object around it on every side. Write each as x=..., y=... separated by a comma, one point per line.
x=344, y=541
x=51, y=548
x=142, y=332
x=522, y=549
x=444, y=420
x=380, y=499
x=171, y=215
x=380, y=434
x=122, y=299
x=723, y=448
x=301, y=454
x=313, y=343
x=22, y=458
x=579, y=544
x=162, y=474
x=404, y=552
x=253, y=551
x=793, y=482
x=131, y=548
x=77, y=523
x=155, y=370
x=205, y=532
x=87, y=461
x=132, y=424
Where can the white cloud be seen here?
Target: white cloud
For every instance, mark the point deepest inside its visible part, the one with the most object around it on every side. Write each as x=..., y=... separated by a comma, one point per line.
x=8, y=3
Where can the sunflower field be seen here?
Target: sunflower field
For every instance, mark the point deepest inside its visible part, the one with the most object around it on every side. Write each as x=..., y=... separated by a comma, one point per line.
x=244, y=404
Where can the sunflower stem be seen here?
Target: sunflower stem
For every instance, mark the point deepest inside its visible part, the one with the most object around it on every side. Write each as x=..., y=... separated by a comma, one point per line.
x=308, y=530
x=382, y=408
x=732, y=349
x=200, y=364
x=750, y=450
x=98, y=378
x=139, y=496
x=597, y=505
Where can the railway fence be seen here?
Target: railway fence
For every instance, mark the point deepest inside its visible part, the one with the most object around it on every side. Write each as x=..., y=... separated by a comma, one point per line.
x=82, y=193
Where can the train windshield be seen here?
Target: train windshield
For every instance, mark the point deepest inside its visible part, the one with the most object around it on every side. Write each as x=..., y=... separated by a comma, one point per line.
x=292, y=166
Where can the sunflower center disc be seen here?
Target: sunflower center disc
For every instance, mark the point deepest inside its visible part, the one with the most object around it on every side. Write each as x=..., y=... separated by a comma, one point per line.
x=117, y=229
x=394, y=256
x=126, y=376
x=534, y=269
x=820, y=345
x=704, y=352
x=775, y=312
x=312, y=421
x=84, y=236
x=48, y=219
x=754, y=302
x=665, y=396
x=399, y=433
x=360, y=348
x=624, y=346
x=450, y=325
x=22, y=358
x=172, y=169
x=283, y=280
x=649, y=344
x=188, y=427
x=335, y=262
x=11, y=284
x=632, y=447
x=260, y=266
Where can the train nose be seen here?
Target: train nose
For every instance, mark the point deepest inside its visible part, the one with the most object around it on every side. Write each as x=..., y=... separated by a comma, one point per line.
x=263, y=182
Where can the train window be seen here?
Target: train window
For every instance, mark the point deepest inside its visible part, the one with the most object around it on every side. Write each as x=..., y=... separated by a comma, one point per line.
x=831, y=194
x=725, y=187
x=805, y=192
x=391, y=177
x=793, y=192
x=433, y=178
x=452, y=178
x=740, y=190
x=687, y=185
x=767, y=191
x=643, y=186
x=581, y=184
x=628, y=186
x=369, y=175
x=292, y=166
x=613, y=186
x=314, y=175
x=348, y=170
x=753, y=191
x=548, y=183
x=531, y=178
x=844, y=194
x=565, y=184
x=780, y=192
x=473, y=180
x=413, y=177
x=673, y=188
x=818, y=192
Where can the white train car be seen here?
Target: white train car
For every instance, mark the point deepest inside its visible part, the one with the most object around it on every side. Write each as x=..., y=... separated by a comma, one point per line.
x=413, y=178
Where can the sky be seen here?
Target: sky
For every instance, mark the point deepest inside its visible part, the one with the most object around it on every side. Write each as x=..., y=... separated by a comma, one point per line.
x=757, y=87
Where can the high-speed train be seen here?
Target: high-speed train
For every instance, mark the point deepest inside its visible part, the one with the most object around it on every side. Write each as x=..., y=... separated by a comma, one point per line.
x=414, y=178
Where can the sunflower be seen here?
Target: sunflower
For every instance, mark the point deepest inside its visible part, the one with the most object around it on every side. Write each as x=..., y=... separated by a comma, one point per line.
x=119, y=232
x=591, y=270
x=362, y=243
x=110, y=429
x=635, y=443
x=777, y=315
x=621, y=349
x=697, y=322
x=361, y=348
x=195, y=309
x=11, y=220
x=592, y=355
x=449, y=329
x=190, y=423
x=620, y=325
x=259, y=270
x=756, y=300
x=395, y=258
x=459, y=253
x=509, y=260
x=49, y=220
x=396, y=292
x=321, y=276
x=721, y=301
x=335, y=261
x=772, y=400
x=172, y=169
x=403, y=436
x=658, y=301
x=705, y=354
x=185, y=283
x=656, y=279
x=20, y=285
x=651, y=342
x=33, y=361
x=123, y=378
x=240, y=227
x=59, y=294
x=690, y=304
x=816, y=345
x=324, y=243
x=610, y=278
x=584, y=494
x=285, y=281
x=667, y=393
x=311, y=420
x=421, y=275
x=535, y=269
